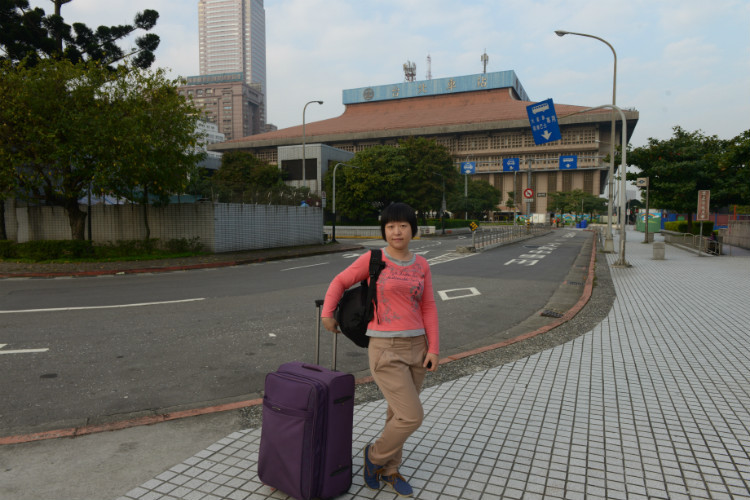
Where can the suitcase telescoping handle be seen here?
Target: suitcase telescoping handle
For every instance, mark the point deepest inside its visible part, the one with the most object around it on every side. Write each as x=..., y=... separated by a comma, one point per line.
x=318, y=308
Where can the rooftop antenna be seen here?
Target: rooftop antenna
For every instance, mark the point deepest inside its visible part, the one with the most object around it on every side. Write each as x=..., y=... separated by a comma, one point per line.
x=484, y=59
x=429, y=67
x=410, y=71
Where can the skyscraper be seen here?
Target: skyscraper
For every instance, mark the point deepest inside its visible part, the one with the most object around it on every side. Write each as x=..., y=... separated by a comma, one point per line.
x=232, y=39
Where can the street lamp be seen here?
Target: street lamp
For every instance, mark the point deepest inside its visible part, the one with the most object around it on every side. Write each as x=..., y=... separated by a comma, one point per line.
x=333, y=231
x=303, y=138
x=608, y=241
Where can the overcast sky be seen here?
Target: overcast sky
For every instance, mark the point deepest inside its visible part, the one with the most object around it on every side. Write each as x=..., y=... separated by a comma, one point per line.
x=679, y=62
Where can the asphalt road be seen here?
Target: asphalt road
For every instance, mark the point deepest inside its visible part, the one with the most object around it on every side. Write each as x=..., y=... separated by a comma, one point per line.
x=120, y=345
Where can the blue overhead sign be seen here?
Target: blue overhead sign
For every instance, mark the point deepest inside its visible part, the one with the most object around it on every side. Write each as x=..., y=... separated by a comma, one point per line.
x=468, y=167
x=543, y=122
x=511, y=164
x=568, y=162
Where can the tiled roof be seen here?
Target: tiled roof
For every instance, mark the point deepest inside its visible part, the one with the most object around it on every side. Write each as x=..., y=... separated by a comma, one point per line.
x=417, y=112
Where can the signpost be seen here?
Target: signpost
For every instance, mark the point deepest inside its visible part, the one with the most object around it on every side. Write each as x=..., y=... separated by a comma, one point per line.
x=568, y=162
x=467, y=167
x=513, y=165
x=642, y=182
x=528, y=193
x=703, y=212
x=543, y=122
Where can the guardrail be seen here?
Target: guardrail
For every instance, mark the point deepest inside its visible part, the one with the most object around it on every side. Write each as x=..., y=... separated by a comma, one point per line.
x=694, y=241
x=490, y=236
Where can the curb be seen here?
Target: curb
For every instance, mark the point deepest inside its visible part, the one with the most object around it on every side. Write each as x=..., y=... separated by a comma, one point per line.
x=165, y=417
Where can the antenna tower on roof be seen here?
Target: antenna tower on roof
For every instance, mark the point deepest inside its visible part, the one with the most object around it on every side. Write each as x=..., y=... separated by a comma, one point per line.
x=429, y=67
x=410, y=71
x=485, y=58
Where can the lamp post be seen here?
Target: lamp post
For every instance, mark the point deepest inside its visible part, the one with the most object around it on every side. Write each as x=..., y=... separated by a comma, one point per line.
x=303, y=138
x=608, y=241
x=333, y=208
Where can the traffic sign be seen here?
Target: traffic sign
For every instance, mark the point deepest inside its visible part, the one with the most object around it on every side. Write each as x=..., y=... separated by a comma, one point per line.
x=528, y=193
x=568, y=162
x=468, y=167
x=543, y=122
x=511, y=164
x=473, y=226
x=641, y=182
x=704, y=202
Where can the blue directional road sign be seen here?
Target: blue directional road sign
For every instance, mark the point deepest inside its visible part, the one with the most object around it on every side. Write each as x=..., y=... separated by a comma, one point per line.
x=468, y=167
x=511, y=164
x=543, y=122
x=568, y=162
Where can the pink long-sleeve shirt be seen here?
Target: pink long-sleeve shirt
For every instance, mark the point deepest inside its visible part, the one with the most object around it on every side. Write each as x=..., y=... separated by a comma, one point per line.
x=406, y=301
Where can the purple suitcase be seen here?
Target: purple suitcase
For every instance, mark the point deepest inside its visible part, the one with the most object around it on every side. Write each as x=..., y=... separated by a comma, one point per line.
x=306, y=438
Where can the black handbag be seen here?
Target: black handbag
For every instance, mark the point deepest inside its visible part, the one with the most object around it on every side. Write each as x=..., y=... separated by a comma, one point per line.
x=355, y=309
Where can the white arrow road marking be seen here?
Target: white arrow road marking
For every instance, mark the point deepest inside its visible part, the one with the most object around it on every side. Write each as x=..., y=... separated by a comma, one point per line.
x=21, y=351
x=463, y=292
x=57, y=309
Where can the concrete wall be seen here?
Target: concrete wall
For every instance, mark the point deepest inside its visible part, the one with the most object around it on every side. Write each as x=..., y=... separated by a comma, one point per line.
x=737, y=233
x=220, y=227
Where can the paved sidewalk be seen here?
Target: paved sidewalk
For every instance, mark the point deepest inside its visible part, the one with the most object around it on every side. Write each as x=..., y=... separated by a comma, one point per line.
x=654, y=402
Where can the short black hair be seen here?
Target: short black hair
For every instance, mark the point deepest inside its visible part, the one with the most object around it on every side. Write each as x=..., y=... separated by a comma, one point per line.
x=398, y=212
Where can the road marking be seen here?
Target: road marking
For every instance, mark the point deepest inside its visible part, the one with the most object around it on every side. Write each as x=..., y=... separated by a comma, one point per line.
x=21, y=351
x=58, y=309
x=447, y=257
x=465, y=292
x=302, y=267
x=351, y=255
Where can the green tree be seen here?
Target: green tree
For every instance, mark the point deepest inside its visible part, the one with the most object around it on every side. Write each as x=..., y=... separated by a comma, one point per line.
x=32, y=34
x=244, y=178
x=577, y=202
x=482, y=197
x=412, y=172
x=734, y=170
x=679, y=167
x=66, y=128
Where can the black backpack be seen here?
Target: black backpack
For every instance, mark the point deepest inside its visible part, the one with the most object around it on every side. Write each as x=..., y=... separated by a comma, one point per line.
x=355, y=309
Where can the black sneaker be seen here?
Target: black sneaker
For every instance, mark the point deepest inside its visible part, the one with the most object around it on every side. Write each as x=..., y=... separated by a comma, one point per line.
x=399, y=484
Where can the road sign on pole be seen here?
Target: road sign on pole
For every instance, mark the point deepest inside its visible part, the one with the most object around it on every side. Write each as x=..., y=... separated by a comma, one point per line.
x=568, y=162
x=704, y=201
x=468, y=167
x=511, y=164
x=528, y=193
x=543, y=122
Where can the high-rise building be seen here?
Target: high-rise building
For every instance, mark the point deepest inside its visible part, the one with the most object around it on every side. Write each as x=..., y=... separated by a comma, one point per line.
x=232, y=39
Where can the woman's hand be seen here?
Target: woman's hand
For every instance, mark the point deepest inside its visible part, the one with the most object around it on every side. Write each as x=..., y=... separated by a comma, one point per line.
x=431, y=362
x=330, y=324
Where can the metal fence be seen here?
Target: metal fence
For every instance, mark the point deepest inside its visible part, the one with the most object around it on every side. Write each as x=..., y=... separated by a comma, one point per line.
x=487, y=236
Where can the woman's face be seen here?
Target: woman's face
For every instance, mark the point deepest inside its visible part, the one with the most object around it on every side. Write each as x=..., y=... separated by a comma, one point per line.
x=398, y=234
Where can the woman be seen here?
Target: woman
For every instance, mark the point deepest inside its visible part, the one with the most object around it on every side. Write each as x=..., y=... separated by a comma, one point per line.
x=404, y=340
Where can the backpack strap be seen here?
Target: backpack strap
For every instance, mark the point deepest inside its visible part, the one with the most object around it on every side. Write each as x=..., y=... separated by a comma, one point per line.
x=376, y=265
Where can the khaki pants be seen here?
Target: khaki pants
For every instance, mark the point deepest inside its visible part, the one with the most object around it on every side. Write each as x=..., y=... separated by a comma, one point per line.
x=396, y=366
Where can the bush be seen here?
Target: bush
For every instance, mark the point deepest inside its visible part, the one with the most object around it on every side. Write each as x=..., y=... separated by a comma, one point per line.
x=54, y=249
x=7, y=249
x=183, y=245
x=681, y=226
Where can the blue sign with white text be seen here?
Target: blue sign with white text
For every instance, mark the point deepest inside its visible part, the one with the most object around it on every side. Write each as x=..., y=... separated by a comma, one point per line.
x=468, y=167
x=568, y=162
x=511, y=164
x=543, y=122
